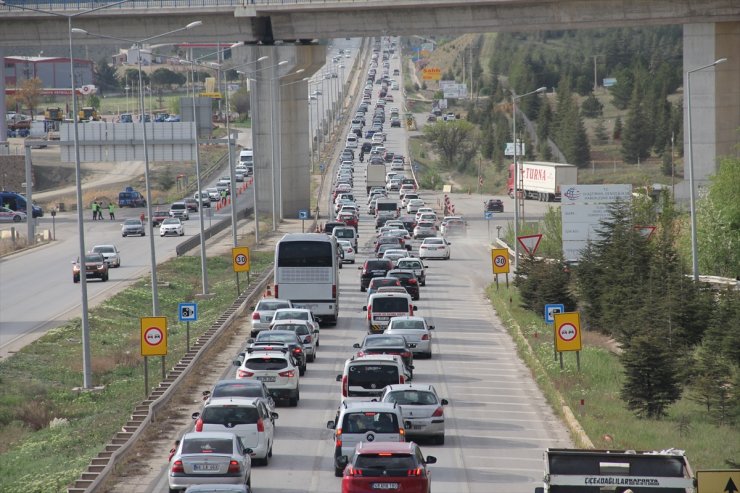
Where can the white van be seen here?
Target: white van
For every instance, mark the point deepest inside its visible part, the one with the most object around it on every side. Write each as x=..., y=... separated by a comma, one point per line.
x=351, y=141
x=349, y=234
x=381, y=307
x=246, y=158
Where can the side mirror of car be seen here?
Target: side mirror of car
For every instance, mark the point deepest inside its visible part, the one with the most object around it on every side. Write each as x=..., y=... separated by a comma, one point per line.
x=415, y=307
x=236, y=362
x=339, y=378
x=206, y=393
x=356, y=345
x=448, y=242
x=195, y=415
x=252, y=308
x=430, y=327
x=444, y=402
x=316, y=331
x=430, y=459
x=330, y=425
x=248, y=451
x=274, y=415
x=250, y=340
x=364, y=308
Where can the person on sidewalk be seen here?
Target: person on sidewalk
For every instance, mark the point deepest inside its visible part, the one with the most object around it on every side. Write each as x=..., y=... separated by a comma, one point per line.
x=112, y=211
x=95, y=210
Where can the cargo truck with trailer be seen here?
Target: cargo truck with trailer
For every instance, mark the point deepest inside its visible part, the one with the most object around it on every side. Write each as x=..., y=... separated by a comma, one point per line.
x=375, y=176
x=542, y=180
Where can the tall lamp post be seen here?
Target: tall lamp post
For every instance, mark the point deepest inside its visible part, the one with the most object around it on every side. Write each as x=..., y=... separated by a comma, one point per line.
x=140, y=45
x=692, y=193
x=86, y=358
x=514, y=99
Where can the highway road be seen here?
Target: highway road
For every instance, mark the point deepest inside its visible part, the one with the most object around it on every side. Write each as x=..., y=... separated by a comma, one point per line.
x=498, y=423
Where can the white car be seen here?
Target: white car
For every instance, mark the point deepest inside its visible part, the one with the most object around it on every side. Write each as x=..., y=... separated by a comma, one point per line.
x=110, y=253
x=421, y=407
x=395, y=253
x=171, y=226
x=214, y=194
x=434, y=248
x=349, y=251
x=263, y=312
x=422, y=210
x=249, y=418
x=397, y=165
x=276, y=368
x=414, y=205
x=11, y=216
x=415, y=330
x=296, y=314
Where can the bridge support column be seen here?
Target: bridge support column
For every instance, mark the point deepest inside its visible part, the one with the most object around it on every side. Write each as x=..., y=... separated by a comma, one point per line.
x=715, y=98
x=3, y=123
x=280, y=91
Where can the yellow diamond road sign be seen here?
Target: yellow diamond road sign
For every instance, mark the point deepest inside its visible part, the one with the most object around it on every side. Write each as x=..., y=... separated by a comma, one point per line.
x=716, y=481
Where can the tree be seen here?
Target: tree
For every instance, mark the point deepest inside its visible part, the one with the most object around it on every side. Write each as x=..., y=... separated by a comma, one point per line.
x=93, y=100
x=652, y=382
x=131, y=77
x=542, y=281
x=636, y=137
x=600, y=135
x=105, y=77
x=455, y=142
x=29, y=94
x=617, y=133
x=164, y=77
x=591, y=107
x=240, y=101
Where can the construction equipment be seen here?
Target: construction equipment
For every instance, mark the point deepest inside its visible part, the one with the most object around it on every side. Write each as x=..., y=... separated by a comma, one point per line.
x=54, y=114
x=89, y=114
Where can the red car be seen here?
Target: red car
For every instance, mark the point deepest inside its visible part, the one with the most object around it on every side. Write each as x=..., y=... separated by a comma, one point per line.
x=387, y=466
x=348, y=219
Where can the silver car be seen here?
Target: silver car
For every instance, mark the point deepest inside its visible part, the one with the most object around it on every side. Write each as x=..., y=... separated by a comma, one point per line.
x=415, y=330
x=132, y=227
x=110, y=253
x=303, y=328
x=263, y=312
x=209, y=457
x=421, y=408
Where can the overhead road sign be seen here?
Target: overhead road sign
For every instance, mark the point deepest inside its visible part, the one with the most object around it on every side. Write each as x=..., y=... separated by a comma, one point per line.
x=718, y=481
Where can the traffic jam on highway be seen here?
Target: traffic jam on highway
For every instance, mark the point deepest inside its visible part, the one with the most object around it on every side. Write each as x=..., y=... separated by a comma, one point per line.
x=382, y=411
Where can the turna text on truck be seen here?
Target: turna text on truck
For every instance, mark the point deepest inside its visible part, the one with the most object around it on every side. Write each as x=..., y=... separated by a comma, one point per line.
x=542, y=180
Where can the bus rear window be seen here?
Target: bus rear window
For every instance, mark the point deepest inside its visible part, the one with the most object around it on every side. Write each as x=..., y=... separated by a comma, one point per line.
x=305, y=254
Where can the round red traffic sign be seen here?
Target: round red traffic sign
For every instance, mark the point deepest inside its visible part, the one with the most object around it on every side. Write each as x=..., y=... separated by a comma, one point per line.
x=499, y=260
x=153, y=336
x=567, y=331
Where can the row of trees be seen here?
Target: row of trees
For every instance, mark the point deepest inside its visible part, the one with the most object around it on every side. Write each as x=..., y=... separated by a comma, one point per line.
x=677, y=336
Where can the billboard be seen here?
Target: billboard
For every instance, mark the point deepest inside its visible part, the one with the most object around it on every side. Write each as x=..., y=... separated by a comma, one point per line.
x=431, y=73
x=455, y=91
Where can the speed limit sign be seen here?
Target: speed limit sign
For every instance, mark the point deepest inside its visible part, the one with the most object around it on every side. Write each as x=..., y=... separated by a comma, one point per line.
x=500, y=260
x=240, y=257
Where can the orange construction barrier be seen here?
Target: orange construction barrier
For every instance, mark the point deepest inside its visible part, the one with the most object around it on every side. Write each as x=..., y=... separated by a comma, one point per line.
x=268, y=292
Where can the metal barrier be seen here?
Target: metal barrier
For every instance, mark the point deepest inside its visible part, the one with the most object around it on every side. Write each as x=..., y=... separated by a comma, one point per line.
x=187, y=245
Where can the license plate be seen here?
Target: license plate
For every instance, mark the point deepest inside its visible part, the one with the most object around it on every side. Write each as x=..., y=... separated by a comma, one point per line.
x=382, y=319
x=266, y=379
x=205, y=467
x=417, y=427
x=308, y=306
x=385, y=486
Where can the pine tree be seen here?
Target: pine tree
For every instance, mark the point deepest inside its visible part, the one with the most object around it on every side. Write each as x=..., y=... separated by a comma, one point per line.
x=600, y=135
x=651, y=383
x=591, y=107
x=635, y=137
x=618, y=128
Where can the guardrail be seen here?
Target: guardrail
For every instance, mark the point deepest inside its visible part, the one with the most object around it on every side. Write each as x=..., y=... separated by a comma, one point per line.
x=122, y=444
x=187, y=245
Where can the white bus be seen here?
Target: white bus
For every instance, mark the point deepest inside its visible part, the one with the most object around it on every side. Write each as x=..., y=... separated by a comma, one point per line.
x=306, y=273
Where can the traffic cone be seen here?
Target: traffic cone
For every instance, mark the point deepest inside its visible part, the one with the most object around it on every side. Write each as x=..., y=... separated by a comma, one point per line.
x=268, y=293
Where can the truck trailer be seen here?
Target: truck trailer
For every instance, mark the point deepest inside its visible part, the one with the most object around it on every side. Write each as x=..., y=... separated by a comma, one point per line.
x=542, y=180
x=375, y=176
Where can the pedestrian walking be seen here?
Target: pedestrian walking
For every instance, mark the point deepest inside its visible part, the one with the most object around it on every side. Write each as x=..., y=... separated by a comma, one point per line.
x=112, y=211
x=95, y=210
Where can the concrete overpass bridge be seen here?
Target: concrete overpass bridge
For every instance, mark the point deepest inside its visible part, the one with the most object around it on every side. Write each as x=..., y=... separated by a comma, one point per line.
x=711, y=31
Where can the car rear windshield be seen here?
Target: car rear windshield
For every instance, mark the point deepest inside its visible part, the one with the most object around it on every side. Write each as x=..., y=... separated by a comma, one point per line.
x=385, y=341
x=372, y=376
x=237, y=390
x=103, y=249
x=299, y=329
x=377, y=265
x=344, y=233
x=383, y=305
x=407, y=324
x=409, y=264
x=381, y=464
x=383, y=281
x=293, y=315
x=207, y=446
x=412, y=397
x=272, y=305
x=361, y=422
x=229, y=415
x=266, y=363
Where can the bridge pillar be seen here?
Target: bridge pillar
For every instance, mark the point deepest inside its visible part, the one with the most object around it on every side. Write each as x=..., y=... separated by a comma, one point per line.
x=715, y=98
x=3, y=123
x=279, y=91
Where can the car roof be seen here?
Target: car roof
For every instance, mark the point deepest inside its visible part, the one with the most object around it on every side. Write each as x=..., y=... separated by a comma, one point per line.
x=371, y=358
x=369, y=406
x=289, y=321
x=238, y=401
x=423, y=387
x=388, y=295
x=408, y=317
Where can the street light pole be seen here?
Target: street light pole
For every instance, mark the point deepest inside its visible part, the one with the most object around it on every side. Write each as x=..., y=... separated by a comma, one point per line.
x=514, y=99
x=692, y=193
x=85, y=321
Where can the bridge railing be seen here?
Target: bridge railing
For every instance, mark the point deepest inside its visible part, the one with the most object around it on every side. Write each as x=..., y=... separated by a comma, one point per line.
x=143, y=4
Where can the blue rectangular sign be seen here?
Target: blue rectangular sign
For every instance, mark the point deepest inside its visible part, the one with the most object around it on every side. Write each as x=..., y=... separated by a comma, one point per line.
x=303, y=214
x=550, y=311
x=187, y=312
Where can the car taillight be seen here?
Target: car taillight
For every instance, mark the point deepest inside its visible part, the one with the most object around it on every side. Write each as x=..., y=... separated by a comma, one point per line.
x=405, y=354
x=178, y=467
x=425, y=337
x=412, y=281
x=353, y=472
x=234, y=467
x=287, y=373
x=401, y=379
x=345, y=386
x=260, y=425
x=276, y=291
x=244, y=373
x=438, y=412
x=369, y=312
x=255, y=316
x=199, y=424
x=297, y=350
x=307, y=340
x=349, y=250
x=418, y=472
x=339, y=437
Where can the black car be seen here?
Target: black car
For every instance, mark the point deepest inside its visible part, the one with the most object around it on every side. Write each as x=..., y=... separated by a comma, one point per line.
x=240, y=388
x=366, y=147
x=330, y=225
x=493, y=205
x=373, y=268
x=408, y=280
x=409, y=222
x=285, y=337
x=388, y=344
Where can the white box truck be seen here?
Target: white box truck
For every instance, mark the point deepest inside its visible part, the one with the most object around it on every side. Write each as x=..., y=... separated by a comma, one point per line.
x=375, y=176
x=542, y=180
